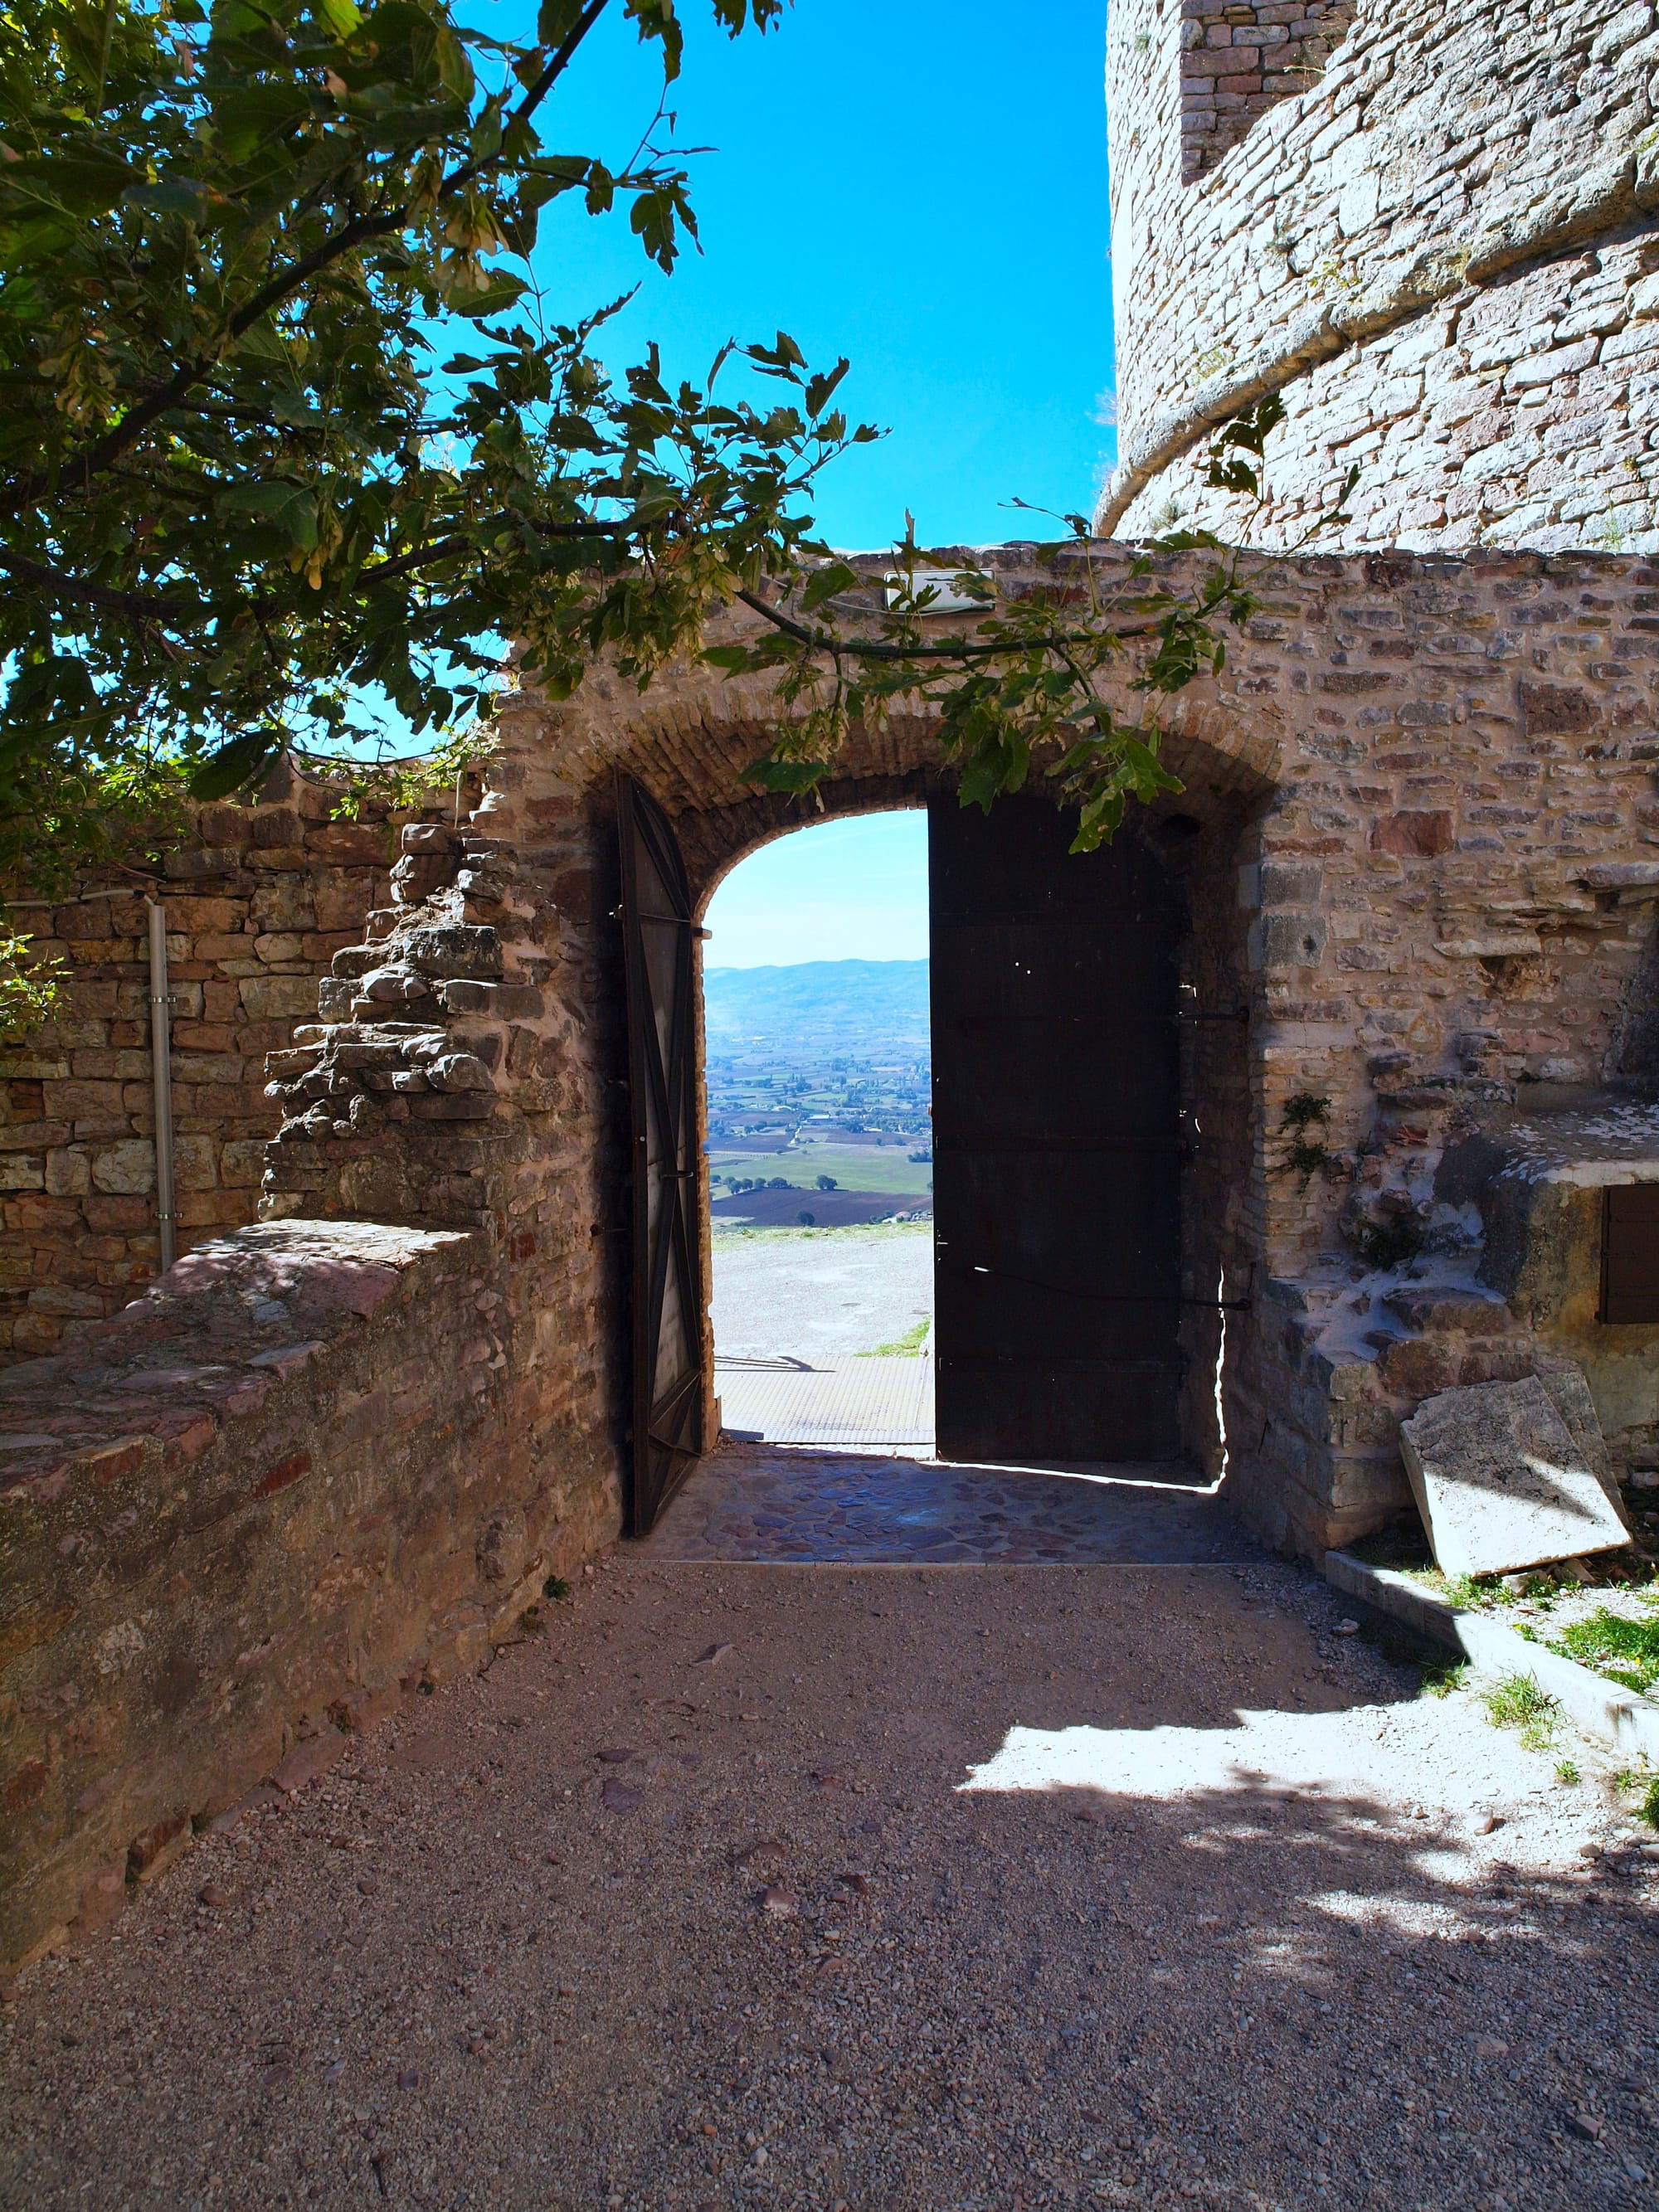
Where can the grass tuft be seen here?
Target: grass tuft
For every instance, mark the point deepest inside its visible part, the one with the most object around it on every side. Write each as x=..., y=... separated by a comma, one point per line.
x=1516, y=1701
x=1624, y=1651
x=1442, y=1676
x=910, y=1342
x=1473, y=1593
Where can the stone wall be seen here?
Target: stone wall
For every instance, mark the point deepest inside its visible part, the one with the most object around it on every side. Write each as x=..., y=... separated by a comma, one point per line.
x=1239, y=58
x=1418, y=843
x=290, y=1485
x=1442, y=252
x=257, y=898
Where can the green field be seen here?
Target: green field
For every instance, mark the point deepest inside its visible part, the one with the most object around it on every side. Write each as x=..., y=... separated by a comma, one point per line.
x=855, y=1167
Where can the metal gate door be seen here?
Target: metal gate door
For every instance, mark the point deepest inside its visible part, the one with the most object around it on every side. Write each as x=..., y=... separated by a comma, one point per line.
x=1056, y=1140
x=667, y=1254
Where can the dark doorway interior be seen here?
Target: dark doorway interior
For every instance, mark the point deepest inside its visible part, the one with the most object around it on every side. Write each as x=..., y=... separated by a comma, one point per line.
x=1056, y=1140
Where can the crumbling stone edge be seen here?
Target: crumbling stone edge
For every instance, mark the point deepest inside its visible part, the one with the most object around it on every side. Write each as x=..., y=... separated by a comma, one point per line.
x=1618, y=1717
x=308, y=1473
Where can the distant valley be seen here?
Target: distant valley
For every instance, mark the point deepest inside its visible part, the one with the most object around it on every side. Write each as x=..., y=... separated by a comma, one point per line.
x=819, y=1072
x=878, y=1008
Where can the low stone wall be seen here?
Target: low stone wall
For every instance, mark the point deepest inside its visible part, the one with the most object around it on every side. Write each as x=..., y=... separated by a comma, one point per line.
x=257, y=898
x=287, y=1486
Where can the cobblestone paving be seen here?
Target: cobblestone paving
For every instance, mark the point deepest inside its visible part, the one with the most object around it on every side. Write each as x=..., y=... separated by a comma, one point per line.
x=774, y=1502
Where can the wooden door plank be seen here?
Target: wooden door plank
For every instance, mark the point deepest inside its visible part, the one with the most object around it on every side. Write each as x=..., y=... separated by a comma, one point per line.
x=1057, y=1141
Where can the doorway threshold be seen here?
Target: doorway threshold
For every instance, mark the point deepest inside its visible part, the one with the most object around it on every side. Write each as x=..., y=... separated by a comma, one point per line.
x=783, y=1504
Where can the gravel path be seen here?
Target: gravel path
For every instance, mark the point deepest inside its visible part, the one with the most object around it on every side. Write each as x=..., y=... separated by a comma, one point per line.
x=1230, y=1915
x=824, y=1294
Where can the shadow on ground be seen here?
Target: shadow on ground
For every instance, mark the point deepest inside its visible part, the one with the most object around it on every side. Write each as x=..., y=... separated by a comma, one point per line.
x=758, y=1502
x=989, y=1889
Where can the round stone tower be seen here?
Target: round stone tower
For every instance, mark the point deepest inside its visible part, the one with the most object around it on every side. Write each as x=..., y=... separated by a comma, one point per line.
x=1430, y=225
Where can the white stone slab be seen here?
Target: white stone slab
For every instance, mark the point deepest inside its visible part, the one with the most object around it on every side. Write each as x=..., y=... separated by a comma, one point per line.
x=1502, y=1484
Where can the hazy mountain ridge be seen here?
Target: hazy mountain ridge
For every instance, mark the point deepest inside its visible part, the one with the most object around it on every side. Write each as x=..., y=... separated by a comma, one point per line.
x=862, y=1007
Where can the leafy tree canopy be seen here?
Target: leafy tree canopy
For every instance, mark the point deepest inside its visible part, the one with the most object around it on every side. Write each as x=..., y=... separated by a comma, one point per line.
x=287, y=423
x=279, y=426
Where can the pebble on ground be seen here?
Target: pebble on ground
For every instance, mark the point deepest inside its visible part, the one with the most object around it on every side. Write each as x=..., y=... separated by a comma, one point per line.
x=967, y=1889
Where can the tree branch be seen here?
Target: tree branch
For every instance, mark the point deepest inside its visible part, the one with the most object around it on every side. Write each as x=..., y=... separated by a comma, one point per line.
x=137, y=419
x=148, y=606
x=559, y=62
x=141, y=606
x=405, y=563
x=869, y=649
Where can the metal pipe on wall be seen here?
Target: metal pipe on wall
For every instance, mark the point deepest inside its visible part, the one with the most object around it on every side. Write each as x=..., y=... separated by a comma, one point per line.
x=160, y=1051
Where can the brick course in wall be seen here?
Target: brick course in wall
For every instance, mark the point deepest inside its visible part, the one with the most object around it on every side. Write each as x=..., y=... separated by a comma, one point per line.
x=1419, y=844
x=257, y=899
x=1238, y=58
x=1441, y=249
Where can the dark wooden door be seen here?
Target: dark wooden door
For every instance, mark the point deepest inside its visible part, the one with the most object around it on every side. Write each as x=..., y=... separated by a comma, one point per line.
x=667, y=1426
x=1057, y=1146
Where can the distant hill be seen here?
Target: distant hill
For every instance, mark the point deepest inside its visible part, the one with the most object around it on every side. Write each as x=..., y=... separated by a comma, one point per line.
x=864, y=1006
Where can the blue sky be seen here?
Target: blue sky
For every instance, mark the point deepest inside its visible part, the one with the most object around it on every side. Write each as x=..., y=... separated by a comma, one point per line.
x=921, y=186
x=918, y=186
x=850, y=889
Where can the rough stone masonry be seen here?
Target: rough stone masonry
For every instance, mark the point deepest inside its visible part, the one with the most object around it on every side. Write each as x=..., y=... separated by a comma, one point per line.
x=1433, y=230
x=1418, y=845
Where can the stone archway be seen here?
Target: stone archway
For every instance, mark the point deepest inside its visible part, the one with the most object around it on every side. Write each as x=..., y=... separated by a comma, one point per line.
x=687, y=749
x=521, y=913
x=1301, y=920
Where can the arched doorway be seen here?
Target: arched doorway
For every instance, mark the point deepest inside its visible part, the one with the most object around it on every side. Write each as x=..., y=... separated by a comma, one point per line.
x=1059, y=1153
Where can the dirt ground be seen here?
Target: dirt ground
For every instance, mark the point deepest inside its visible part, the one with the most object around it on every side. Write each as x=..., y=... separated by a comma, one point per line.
x=1228, y=1914
x=814, y=1297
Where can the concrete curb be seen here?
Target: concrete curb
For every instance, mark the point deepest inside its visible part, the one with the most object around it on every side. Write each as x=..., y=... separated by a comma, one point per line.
x=1601, y=1707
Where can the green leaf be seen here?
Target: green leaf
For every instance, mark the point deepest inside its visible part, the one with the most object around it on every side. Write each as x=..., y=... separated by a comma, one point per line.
x=291, y=507
x=819, y=388
x=245, y=116
x=789, y=776
x=658, y=20
x=502, y=293
x=654, y=218
x=557, y=19
x=825, y=583
x=86, y=182
x=235, y=764
x=236, y=19
x=177, y=196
